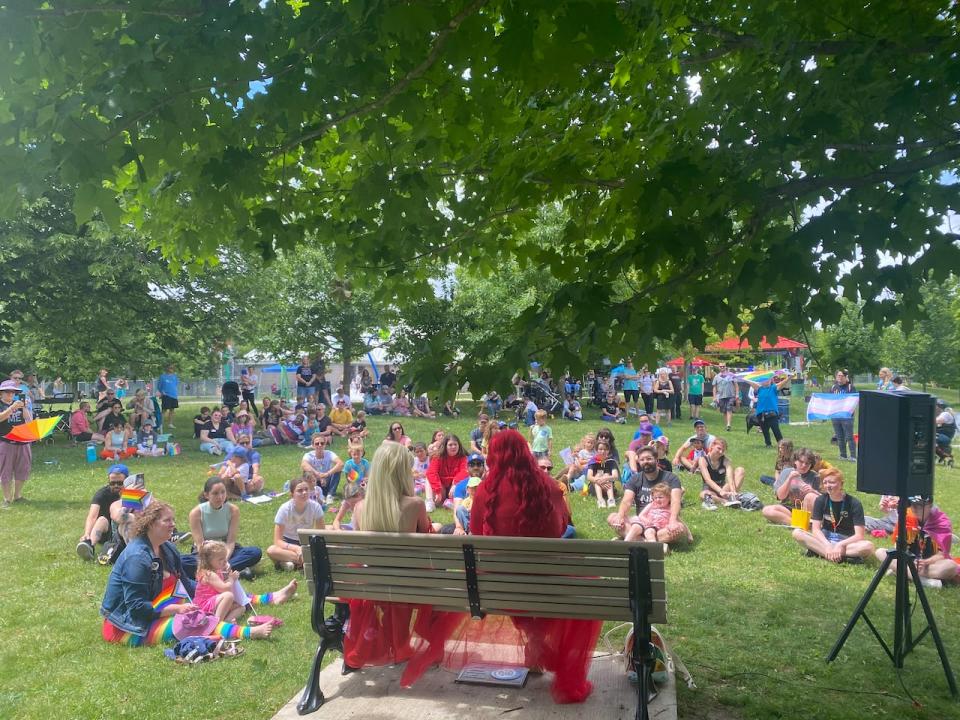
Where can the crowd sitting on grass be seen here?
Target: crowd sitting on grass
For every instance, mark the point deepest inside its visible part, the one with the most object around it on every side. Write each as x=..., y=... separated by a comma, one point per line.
x=642, y=492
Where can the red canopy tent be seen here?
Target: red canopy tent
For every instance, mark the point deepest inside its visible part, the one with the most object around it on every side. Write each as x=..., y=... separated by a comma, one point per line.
x=676, y=362
x=734, y=344
x=700, y=362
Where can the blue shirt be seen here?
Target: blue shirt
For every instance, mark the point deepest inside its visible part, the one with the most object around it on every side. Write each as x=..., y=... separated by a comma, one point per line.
x=767, y=399
x=167, y=384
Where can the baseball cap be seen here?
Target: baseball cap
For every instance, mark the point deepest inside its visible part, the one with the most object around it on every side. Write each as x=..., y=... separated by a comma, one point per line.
x=474, y=481
x=118, y=468
x=663, y=440
x=646, y=428
x=698, y=421
x=920, y=500
x=475, y=458
x=695, y=438
x=239, y=452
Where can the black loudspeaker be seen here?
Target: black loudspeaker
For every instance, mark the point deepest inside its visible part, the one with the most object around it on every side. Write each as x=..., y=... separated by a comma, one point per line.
x=895, y=450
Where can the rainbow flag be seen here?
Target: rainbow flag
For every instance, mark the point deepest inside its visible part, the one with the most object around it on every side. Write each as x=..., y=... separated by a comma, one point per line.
x=171, y=593
x=760, y=376
x=134, y=498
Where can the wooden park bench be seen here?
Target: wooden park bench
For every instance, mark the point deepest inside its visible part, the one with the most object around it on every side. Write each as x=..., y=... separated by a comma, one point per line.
x=516, y=576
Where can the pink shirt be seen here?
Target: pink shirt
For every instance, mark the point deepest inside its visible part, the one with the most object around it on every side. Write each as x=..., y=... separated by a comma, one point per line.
x=79, y=423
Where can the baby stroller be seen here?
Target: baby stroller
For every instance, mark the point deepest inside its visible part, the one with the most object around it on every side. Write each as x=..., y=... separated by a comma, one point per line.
x=230, y=394
x=543, y=396
x=598, y=392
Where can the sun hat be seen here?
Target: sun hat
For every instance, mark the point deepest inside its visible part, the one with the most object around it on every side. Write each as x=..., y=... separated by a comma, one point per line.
x=9, y=385
x=195, y=622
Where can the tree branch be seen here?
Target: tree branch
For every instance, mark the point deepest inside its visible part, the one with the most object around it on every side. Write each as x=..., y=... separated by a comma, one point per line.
x=439, y=41
x=446, y=246
x=891, y=173
x=737, y=41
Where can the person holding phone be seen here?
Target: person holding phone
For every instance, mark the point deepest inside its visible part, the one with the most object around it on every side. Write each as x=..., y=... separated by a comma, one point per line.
x=16, y=459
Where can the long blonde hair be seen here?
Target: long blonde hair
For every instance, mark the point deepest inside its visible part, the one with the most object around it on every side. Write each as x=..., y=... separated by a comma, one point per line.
x=391, y=478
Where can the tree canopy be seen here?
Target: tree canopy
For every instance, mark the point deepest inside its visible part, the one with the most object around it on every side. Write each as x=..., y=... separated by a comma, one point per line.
x=683, y=139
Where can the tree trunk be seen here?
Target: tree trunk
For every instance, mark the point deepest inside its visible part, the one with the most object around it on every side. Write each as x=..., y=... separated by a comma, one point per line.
x=347, y=377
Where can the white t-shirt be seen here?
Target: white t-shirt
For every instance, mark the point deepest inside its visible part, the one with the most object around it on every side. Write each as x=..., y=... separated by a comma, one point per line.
x=290, y=520
x=337, y=397
x=321, y=464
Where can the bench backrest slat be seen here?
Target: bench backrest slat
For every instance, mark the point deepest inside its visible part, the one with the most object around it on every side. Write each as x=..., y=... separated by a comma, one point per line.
x=516, y=576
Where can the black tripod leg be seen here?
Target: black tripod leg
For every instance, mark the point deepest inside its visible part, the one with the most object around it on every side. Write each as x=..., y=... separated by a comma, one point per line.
x=861, y=606
x=932, y=626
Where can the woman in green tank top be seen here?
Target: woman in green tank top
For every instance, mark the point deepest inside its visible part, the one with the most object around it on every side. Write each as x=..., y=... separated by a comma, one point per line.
x=216, y=519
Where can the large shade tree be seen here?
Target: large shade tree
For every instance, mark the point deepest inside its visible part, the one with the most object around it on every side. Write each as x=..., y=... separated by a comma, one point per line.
x=74, y=299
x=683, y=138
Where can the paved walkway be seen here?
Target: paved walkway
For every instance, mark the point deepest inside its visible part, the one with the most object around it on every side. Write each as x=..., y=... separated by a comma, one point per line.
x=375, y=694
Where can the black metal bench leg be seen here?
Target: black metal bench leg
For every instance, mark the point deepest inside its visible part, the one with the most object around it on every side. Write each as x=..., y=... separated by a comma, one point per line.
x=312, y=698
x=331, y=639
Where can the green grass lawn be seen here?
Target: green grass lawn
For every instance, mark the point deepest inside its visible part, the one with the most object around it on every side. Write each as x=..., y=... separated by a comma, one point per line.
x=751, y=617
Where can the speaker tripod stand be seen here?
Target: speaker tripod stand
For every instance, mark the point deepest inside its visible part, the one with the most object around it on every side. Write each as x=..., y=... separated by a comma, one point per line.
x=903, y=640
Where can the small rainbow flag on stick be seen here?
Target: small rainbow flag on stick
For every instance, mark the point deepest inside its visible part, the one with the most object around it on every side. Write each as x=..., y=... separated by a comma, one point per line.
x=760, y=376
x=171, y=593
x=134, y=498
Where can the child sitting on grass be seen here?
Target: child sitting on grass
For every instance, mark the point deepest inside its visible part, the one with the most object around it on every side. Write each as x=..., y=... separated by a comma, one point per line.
x=421, y=486
x=218, y=587
x=602, y=473
x=355, y=471
x=656, y=515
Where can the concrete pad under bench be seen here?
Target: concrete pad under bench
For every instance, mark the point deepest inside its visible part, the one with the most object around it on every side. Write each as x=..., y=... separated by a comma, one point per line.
x=375, y=694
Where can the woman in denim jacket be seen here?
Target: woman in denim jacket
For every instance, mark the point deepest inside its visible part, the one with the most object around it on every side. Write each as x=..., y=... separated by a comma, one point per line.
x=147, y=587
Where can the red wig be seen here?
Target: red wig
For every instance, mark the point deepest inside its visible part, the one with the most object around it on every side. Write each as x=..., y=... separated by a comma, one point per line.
x=512, y=471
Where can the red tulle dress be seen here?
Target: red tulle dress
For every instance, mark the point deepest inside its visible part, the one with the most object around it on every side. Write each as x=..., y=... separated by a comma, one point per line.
x=385, y=633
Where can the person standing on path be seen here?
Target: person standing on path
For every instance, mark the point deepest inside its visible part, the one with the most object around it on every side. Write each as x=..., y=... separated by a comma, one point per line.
x=168, y=387
x=843, y=427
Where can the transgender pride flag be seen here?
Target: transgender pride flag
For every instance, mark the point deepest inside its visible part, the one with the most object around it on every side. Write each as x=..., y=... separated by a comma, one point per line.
x=826, y=406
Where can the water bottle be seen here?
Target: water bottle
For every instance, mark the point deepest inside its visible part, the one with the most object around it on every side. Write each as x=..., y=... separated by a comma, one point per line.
x=91, y=453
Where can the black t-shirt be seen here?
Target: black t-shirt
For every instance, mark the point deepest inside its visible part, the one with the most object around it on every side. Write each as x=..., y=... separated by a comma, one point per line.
x=611, y=408
x=677, y=383
x=605, y=468
x=388, y=379
x=198, y=422
x=839, y=517
x=641, y=486
x=306, y=373
x=477, y=436
x=359, y=425
x=665, y=464
x=272, y=416
x=104, y=498
x=318, y=367
x=718, y=474
x=110, y=420
x=15, y=418
x=323, y=424
x=218, y=432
